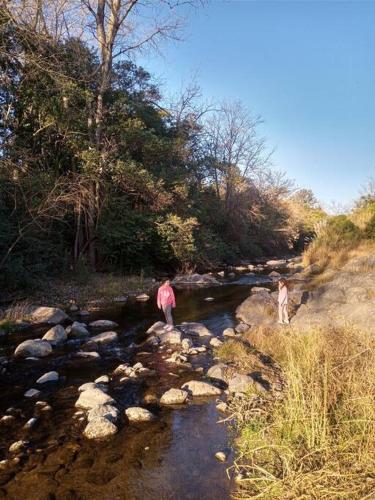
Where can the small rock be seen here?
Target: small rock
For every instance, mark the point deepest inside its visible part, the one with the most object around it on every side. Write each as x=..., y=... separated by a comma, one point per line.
x=195, y=329
x=120, y=370
x=186, y=344
x=78, y=330
x=240, y=384
x=17, y=446
x=104, y=379
x=93, y=397
x=157, y=327
x=7, y=420
x=242, y=328
x=199, y=388
x=49, y=315
x=100, y=428
x=138, y=366
x=229, y=332
x=221, y=456
x=221, y=274
x=84, y=354
x=87, y=386
x=173, y=397
x=138, y=414
x=121, y=298
x=103, y=324
x=48, y=377
x=215, y=342
x=259, y=289
x=105, y=338
x=223, y=407
x=30, y=423
x=84, y=313
x=209, y=299
x=109, y=412
x=73, y=308
x=56, y=335
x=218, y=372
x=32, y=393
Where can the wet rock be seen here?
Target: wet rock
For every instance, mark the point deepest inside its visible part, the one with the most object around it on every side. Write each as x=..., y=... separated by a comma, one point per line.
x=48, y=377
x=186, y=344
x=7, y=420
x=221, y=456
x=209, y=299
x=73, y=307
x=240, y=384
x=258, y=289
x=195, y=329
x=196, y=279
x=138, y=414
x=143, y=297
x=78, y=330
x=221, y=274
x=218, y=372
x=157, y=327
x=8, y=464
x=32, y=393
x=87, y=355
x=56, y=335
x=105, y=338
x=84, y=313
x=104, y=379
x=93, y=397
x=37, y=348
x=120, y=298
x=174, y=397
x=49, y=315
x=18, y=446
x=120, y=370
x=109, y=412
x=215, y=342
x=199, y=388
x=100, y=428
x=30, y=423
x=170, y=337
x=103, y=324
x=242, y=328
x=276, y=263
x=229, y=332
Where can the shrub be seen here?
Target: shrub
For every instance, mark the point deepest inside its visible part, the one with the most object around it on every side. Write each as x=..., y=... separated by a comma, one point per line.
x=369, y=231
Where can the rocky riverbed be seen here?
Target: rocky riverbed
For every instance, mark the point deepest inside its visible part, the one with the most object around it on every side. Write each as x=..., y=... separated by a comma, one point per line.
x=112, y=405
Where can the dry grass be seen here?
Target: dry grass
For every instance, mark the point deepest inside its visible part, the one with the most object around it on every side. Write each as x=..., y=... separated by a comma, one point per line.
x=319, y=441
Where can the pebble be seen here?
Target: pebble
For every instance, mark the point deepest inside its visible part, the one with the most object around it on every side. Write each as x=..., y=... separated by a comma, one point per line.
x=221, y=456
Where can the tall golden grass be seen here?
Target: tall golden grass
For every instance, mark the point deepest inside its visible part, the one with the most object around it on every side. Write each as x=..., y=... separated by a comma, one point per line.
x=318, y=441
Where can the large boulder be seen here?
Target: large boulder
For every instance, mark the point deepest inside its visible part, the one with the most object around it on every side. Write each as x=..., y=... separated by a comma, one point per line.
x=105, y=338
x=174, y=397
x=199, y=388
x=195, y=329
x=240, y=383
x=107, y=411
x=48, y=315
x=100, y=428
x=36, y=348
x=78, y=330
x=138, y=414
x=103, y=324
x=93, y=397
x=258, y=309
x=56, y=335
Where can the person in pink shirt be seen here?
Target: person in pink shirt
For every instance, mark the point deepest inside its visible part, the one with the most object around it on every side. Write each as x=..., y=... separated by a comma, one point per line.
x=283, y=302
x=166, y=301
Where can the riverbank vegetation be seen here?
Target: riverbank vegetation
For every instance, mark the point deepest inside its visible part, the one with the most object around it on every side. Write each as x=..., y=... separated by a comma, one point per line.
x=99, y=170
x=318, y=440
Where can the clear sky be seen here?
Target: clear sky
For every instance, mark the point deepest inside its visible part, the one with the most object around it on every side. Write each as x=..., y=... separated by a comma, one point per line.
x=308, y=67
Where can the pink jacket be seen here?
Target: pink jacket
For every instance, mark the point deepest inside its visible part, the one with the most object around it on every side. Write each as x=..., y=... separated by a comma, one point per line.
x=283, y=295
x=166, y=296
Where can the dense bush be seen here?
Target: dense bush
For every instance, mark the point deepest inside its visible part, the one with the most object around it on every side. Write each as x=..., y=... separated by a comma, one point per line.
x=369, y=230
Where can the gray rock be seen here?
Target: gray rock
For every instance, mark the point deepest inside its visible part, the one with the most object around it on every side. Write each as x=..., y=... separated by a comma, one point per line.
x=56, y=335
x=105, y=338
x=103, y=324
x=257, y=289
x=218, y=372
x=30, y=423
x=37, y=348
x=107, y=411
x=221, y=456
x=199, y=388
x=87, y=386
x=170, y=337
x=276, y=263
x=87, y=355
x=215, y=342
x=93, y=397
x=157, y=327
x=173, y=397
x=223, y=407
x=196, y=279
x=48, y=315
x=241, y=384
x=100, y=428
x=32, y=393
x=78, y=330
x=229, y=332
x=104, y=379
x=186, y=344
x=258, y=309
x=143, y=297
x=195, y=329
x=138, y=414
x=242, y=328
x=48, y=377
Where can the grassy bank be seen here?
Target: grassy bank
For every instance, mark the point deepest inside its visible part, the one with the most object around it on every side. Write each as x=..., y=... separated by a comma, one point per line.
x=319, y=440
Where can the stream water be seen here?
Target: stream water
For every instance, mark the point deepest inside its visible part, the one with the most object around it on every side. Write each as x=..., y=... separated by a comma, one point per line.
x=170, y=458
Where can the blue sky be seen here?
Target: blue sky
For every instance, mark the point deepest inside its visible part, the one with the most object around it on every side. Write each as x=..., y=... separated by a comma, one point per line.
x=308, y=67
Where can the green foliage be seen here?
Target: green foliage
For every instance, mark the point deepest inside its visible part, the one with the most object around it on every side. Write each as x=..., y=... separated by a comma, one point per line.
x=369, y=231
x=341, y=228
